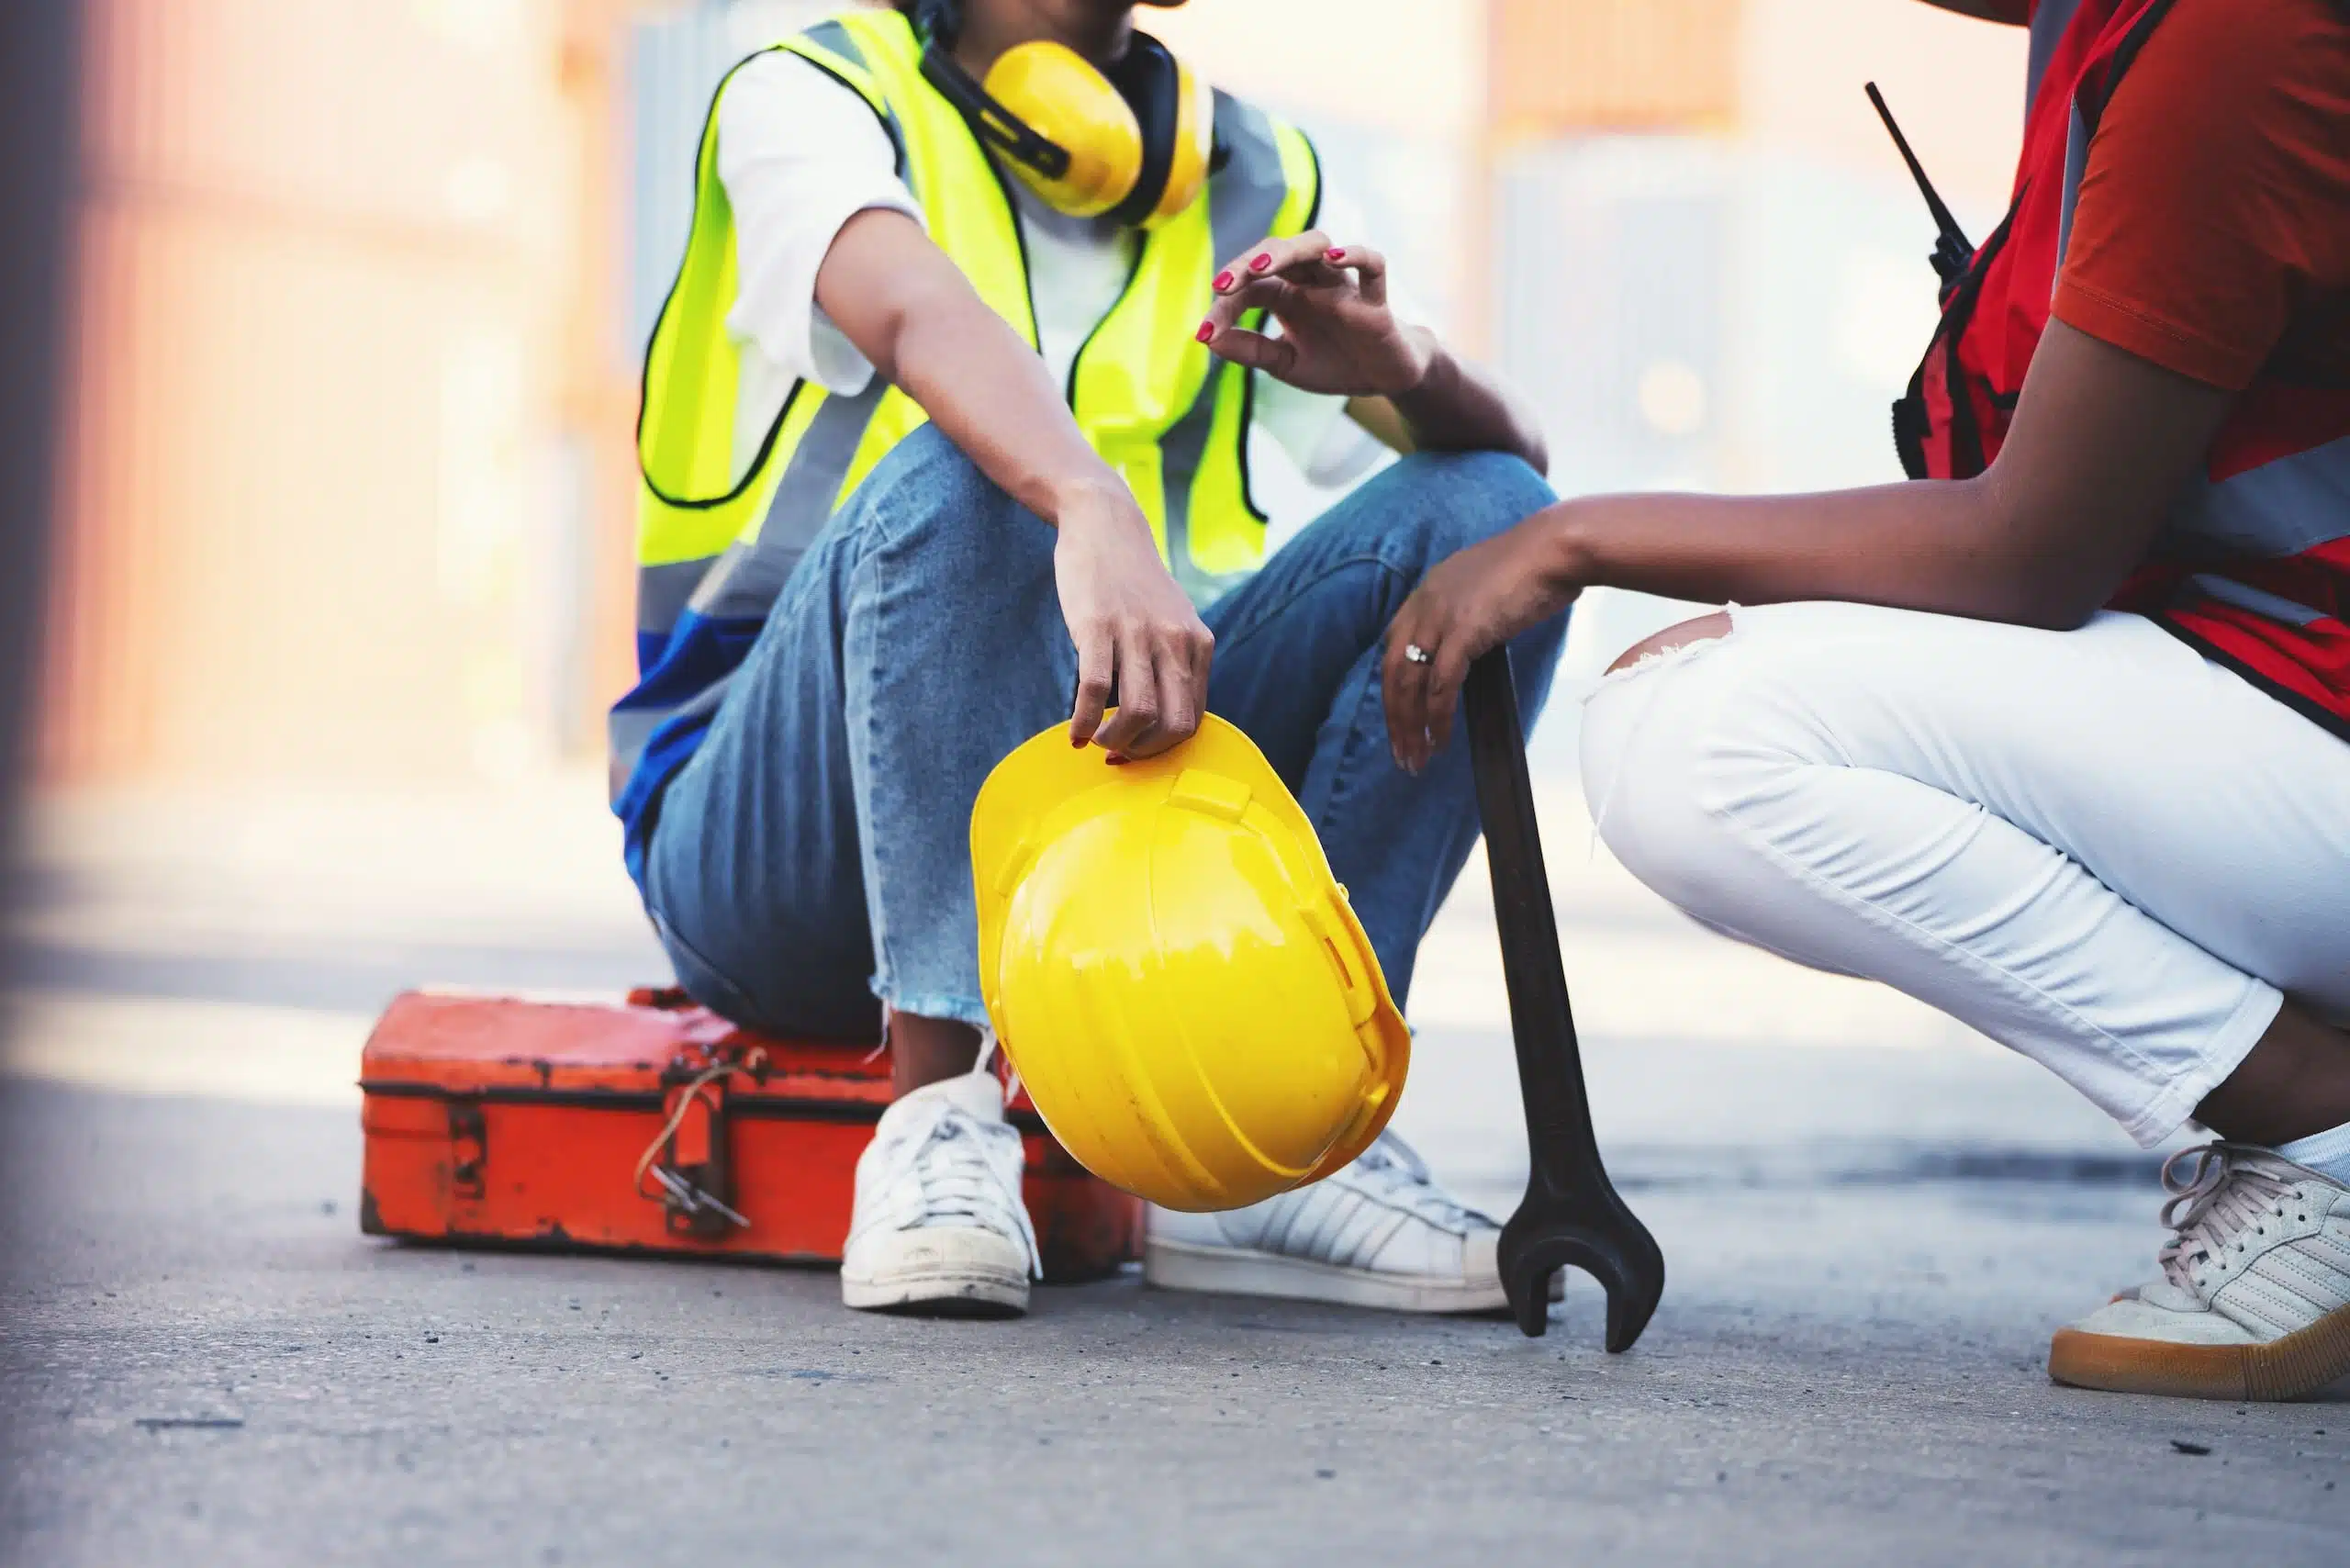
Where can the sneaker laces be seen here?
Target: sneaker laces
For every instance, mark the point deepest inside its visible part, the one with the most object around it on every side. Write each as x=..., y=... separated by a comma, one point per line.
x=956, y=1184
x=2226, y=1189
x=1397, y=1175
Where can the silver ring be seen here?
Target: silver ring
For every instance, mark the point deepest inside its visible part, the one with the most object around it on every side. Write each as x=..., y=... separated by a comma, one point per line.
x=1415, y=654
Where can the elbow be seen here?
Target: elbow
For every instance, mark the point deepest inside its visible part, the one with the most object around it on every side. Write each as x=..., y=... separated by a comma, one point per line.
x=2043, y=594
x=2044, y=570
x=2068, y=616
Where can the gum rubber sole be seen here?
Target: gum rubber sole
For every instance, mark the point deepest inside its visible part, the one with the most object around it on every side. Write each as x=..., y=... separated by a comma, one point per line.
x=2300, y=1363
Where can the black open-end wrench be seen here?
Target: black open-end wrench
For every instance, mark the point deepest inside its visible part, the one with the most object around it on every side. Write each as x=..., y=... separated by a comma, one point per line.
x=1570, y=1213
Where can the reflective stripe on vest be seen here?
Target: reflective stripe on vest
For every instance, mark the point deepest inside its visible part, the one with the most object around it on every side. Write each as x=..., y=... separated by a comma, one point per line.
x=2253, y=565
x=1170, y=419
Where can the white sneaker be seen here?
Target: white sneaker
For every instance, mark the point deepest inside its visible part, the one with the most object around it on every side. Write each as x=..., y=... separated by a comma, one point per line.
x=2255, y=1298
x=939, y=1227
x=1377, y=1233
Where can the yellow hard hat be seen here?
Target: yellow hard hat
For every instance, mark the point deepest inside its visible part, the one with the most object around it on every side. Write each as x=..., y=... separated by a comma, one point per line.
x=1173, y=972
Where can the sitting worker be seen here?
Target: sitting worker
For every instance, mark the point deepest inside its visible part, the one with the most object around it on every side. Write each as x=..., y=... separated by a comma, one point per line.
x=937, y=433
x=2058, y=739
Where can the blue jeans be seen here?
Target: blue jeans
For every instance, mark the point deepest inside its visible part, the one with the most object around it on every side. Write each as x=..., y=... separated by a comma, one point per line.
x=814, y=853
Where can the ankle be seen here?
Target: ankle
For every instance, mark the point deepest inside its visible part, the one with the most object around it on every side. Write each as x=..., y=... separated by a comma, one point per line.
x=923, y=1051
x=2294, y=1084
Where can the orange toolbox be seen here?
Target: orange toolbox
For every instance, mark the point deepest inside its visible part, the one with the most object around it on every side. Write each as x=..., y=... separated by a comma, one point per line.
x=649, y=1124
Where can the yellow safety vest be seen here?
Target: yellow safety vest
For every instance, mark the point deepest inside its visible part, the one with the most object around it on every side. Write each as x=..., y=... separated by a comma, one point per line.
x=1172, y=421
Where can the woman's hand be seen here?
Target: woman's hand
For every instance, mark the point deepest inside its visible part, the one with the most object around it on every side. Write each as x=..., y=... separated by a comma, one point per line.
x=1337, y=335
x=1137, y=634
x=1469, y=605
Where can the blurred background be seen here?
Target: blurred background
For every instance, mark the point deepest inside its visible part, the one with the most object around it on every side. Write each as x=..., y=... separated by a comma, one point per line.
x=343, y=567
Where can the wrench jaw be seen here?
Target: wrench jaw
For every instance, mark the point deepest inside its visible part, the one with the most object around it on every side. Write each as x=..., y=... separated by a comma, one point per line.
x=1629, y=1267
x=1528, y=1266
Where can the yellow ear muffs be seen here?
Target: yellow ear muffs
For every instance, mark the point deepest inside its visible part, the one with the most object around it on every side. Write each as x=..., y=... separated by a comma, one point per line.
x=1194, y=146
x=1064, y=100
x=1137, y=143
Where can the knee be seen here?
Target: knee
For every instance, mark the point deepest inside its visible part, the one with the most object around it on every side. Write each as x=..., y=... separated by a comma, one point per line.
x=928, y=489
x=1469, y=497
x=1671, y=754
x=1672, y=639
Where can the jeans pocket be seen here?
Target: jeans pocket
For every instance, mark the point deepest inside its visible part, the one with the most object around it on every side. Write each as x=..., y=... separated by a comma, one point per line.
x=702, y=980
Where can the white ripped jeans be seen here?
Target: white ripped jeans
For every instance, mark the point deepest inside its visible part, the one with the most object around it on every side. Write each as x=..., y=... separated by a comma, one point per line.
x=2095, y=846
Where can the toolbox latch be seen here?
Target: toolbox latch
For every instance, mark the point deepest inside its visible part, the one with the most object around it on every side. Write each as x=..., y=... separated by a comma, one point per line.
x=688, y=1164
x=468, y=1150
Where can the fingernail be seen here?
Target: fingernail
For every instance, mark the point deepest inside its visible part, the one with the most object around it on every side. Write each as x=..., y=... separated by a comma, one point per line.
x=1077, y=742
x=1116, y=761
x=1335, y=251
x=1207, y=330
x=1261, y=263
x=1224, y=280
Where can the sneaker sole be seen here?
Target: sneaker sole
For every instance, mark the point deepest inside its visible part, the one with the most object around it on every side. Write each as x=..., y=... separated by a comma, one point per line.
x=1237, y=1271
x=2299, y=1363
x=940, y=1293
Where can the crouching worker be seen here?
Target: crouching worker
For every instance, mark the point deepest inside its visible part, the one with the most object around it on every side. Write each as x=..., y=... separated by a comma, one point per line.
x=2058, y=738
x=947, y=417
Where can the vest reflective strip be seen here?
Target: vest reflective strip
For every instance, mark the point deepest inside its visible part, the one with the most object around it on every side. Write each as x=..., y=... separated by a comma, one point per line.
x=1227, y=531
x=663, y=592
x=2077, y=163
x=2285, y=507
x=1255, y=167
x=2276, y=607
x=832, y=36
x=628, y=729
x=747, y=578
x=2049, y=23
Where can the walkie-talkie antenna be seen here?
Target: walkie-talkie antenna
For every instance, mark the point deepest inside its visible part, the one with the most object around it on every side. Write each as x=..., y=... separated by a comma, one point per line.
x=1952, y=249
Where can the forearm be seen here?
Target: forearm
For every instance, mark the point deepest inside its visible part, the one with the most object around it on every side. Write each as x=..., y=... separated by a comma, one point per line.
x=1458, y=406
x=1944, y=547
x=2101, y=444
x=924, y=330
x=996, y=400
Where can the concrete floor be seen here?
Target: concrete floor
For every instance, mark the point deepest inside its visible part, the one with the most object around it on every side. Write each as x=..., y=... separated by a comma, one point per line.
x=201, y=1360
x=204, y=1363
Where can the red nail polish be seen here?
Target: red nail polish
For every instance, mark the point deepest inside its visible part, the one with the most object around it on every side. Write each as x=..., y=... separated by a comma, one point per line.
x=1224, y=280
x=1075, y=742
x=1335, y=251
x=1116, y=761
x=1207, y=330
x=1260, y=264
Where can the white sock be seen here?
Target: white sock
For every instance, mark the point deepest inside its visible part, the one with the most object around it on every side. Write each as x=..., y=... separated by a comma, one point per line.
x=2327, y=1152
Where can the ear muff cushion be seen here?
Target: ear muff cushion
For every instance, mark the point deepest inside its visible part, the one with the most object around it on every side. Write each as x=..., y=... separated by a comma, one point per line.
x=1057, y=94
x=1195, y=147
x=1151, y=82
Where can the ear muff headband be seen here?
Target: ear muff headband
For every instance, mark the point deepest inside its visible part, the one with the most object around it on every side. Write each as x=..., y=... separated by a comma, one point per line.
x=1133, y=142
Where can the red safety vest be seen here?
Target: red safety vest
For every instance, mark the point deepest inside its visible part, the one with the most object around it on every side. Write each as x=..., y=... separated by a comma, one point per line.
x=2253, y=565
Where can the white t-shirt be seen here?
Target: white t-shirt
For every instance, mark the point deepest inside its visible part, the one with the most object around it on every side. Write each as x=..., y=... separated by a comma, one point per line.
x=800, y=154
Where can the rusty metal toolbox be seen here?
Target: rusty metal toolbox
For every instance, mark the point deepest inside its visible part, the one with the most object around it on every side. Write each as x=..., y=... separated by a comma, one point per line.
x=646, y=1123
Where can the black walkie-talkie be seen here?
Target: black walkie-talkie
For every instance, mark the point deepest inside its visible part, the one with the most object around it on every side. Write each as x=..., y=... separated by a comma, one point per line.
x=1952, y=250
